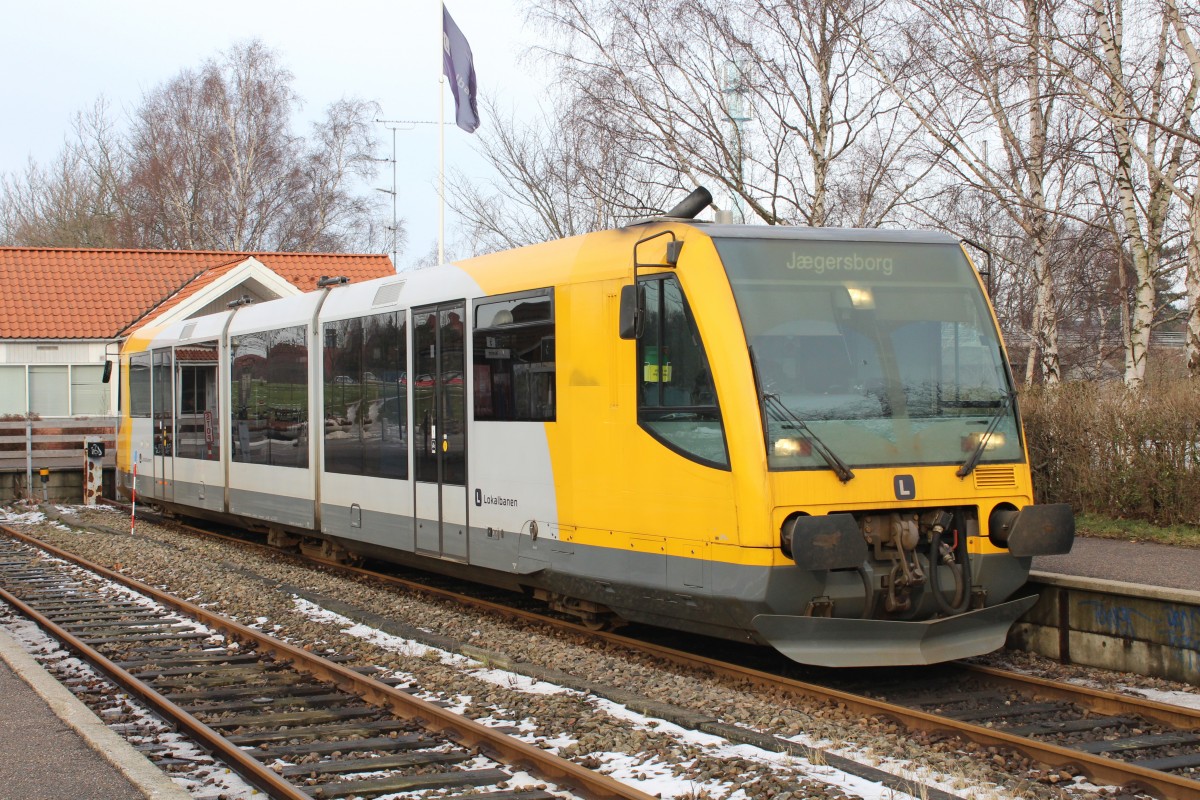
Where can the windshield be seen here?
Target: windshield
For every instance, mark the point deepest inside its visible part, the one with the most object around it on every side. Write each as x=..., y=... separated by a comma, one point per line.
x=885, y=350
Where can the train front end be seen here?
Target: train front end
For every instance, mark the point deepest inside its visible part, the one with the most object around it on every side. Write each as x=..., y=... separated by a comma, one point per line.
x=897, y=478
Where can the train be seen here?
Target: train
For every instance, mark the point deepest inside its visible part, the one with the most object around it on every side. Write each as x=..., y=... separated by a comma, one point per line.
x=799, y=438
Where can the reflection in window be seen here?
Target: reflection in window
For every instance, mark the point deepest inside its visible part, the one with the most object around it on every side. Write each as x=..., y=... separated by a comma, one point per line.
x=365, y=395
x=514, y=357
x=163, y=402
x=270, y=397
x=197, y=425
x=677, y=401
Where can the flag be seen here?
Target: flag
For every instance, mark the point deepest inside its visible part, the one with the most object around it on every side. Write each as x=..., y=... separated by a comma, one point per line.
x=459, y=67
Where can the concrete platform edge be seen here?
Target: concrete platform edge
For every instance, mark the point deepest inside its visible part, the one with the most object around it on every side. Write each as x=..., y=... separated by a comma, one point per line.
x=138, y=769
x=1117, y=588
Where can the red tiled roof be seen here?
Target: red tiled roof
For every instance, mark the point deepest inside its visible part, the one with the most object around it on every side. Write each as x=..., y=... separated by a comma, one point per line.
x=53, y=293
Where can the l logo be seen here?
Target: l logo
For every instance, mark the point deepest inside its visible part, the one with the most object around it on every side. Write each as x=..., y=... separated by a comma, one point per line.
x=905, y=486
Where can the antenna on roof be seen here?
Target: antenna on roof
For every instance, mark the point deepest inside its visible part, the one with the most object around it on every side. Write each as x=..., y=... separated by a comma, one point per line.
x=325, y=280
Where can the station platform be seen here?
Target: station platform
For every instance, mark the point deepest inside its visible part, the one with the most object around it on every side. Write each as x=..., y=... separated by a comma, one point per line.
x=1144, y=563
x=53, y=747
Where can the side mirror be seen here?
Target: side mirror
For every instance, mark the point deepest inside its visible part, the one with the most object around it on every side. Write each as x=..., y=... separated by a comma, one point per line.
x=107, y=376
x=633, y=311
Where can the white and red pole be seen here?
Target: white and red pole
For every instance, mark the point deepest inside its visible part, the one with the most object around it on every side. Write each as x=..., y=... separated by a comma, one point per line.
x=133, y=494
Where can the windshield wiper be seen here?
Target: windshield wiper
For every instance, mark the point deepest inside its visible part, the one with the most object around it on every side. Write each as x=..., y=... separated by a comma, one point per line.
x=784, y=414
x=969, y=465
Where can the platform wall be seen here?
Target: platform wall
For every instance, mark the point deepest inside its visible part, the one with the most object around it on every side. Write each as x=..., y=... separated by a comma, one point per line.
x=1147, y=630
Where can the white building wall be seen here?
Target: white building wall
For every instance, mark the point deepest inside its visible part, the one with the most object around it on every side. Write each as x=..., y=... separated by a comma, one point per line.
x=56, y=379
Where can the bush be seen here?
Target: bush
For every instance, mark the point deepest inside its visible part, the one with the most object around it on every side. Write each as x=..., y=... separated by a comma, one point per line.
x=1110, y=452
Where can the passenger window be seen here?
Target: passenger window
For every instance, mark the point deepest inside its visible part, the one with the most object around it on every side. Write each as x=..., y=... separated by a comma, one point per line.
x=163, y=398
x=365, y=392
x=270, y=397
x=514, y=358
x=677, y=401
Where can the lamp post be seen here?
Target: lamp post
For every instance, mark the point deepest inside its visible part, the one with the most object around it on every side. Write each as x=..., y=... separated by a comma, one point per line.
x=735, y=103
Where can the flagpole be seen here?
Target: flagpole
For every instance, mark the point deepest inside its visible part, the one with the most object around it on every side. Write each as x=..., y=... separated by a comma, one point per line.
x=459, y=66
x=442, y=150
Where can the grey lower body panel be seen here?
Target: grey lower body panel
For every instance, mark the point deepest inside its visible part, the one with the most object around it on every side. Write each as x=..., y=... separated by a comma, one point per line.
x=199, y=495
x=290, y=511
x=354, y=524
x=766, y=606
x=708, y=597
x=657, y=590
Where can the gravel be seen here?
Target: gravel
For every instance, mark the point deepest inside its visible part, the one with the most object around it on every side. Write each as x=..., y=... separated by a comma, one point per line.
x=216, y=574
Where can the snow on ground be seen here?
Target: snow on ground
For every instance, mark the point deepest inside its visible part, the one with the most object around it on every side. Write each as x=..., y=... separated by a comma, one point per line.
x=655, y=778
x=1185, y=699
x=12, y=517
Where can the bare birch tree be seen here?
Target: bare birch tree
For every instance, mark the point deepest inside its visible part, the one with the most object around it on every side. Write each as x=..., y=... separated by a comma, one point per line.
x=76, y=201
x=1181, y=23
x=555, y=177
x=209, y=161
x=1133, y=91
x=976, y=73
x=770, y=103
x=217, y=166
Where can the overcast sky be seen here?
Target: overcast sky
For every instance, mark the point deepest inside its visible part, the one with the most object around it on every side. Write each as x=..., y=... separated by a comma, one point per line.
x=59, y=56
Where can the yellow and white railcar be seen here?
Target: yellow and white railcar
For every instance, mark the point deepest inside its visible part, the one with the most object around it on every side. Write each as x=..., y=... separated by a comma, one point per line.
x=799, y=437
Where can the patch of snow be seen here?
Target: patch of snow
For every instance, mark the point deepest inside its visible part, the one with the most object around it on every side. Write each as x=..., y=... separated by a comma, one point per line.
x=11, y=517
x=653, y=777
x=1182, y=699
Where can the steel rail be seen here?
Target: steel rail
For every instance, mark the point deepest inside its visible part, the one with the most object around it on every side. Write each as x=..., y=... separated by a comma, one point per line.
x=249, y=768
x=1099, y=700
x=463, y=731
x=1165, y=785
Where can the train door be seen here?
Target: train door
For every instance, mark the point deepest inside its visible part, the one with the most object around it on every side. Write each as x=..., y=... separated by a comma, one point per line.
x=163, y=402
x=141, y=424
x=440, y=422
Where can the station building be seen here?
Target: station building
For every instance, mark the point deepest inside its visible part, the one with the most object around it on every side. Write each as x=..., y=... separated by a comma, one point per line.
x=64, y=312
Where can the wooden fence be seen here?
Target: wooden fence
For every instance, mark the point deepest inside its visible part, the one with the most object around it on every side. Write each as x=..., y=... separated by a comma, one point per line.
x=56, y=444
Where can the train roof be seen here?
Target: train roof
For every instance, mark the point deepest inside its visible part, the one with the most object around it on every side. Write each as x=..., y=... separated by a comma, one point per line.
x=582, y=257
x=716, y=231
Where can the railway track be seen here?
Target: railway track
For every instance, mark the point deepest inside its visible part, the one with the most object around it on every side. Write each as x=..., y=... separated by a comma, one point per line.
x=1111, y=738
x=291, y=723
